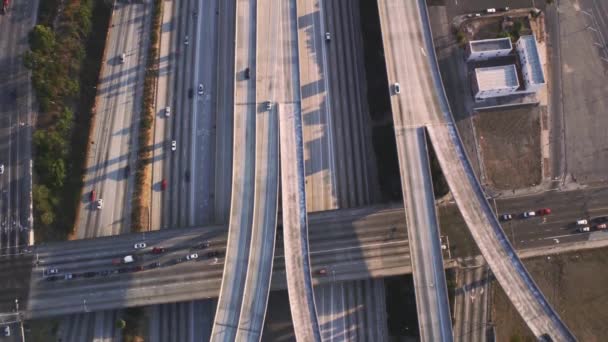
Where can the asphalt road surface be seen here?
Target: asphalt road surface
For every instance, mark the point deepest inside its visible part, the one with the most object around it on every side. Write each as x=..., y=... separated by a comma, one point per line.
x=112, y=151
x=412, y=102
x=471, y=302
x=372, y=244
x=16, y=122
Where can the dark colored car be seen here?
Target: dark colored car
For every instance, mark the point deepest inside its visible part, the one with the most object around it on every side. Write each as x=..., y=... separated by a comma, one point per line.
x=89, y=274
x=187, y=176
x=137, y=268
x=123, y=270
x=203, y=245
x=214, y=254
x=92, y=196
x=163, y=184
x=53, y=278
x=127, y=170
x=190, y=93
x=247, y=74
x=105, y=273
x=506, y=217
x=158, y=250
x=153, y=265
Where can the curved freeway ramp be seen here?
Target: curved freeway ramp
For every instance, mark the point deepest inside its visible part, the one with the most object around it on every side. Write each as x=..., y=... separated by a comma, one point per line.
x=261, y=255
x=411, y=58
x=295, y=221
x=243, y=180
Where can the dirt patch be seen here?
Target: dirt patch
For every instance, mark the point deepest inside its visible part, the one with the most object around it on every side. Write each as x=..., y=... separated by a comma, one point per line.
x=509, y=143
x=575, y=284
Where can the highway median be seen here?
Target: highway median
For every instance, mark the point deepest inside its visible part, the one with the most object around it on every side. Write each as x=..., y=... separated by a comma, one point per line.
x=143, y=174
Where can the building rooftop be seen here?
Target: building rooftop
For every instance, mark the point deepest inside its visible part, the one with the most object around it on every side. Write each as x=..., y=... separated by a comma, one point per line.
x=491, y=44
x=534, y=67
x=497, y=77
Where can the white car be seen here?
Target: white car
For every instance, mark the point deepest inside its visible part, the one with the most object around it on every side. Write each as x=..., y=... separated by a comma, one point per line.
x=584, y=229
x=140, y=245
x=173, y=145
x=6, y=331
x=491, y=10
x=187, y=40
x=268, y=105
x=51, y=271
x=168, y=111
x=1, y=169
x=397, y=88
x=192, y=256
x=582, y=222
x=123, y=57
x=529, y=214
x=100, y=203
x=200, y=89
x=327, y=36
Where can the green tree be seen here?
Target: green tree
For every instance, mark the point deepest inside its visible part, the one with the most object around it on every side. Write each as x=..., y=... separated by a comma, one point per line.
x=57, y=173
x=42, y=39
x=517, y=27
x=65, y=122
x=43, y=204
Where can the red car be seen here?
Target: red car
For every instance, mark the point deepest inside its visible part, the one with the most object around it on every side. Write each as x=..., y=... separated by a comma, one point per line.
x=163, y=184
x=544, y=211
x=93, y=196
x=158, y=250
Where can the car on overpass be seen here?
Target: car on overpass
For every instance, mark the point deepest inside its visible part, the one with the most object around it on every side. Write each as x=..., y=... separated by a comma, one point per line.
x=543, y=211
x=100, y=203
x=158, y=250
x=506, y=217
x=327, y=36
x=140, y=245
x=529, y=214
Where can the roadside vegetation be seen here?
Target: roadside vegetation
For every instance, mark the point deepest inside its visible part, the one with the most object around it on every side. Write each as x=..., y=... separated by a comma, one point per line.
x=133, y=324
x=141, y=195
x=64, y=58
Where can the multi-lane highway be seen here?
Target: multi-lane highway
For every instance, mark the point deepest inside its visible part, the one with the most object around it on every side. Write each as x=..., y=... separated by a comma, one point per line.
x=112, y=150
x=348, y=244
x=191, y=184
x=471, y=302
x=16, y=122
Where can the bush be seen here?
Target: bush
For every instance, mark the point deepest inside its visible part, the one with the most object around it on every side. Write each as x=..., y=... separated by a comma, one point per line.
x=121, y=324
x=57, y=56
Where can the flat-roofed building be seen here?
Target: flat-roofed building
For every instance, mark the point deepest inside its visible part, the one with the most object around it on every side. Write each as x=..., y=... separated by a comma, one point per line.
x=479, y=50
x=495, y=81
x=531, y=67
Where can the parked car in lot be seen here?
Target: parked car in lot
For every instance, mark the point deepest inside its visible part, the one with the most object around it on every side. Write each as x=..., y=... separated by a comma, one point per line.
x=583, y=229
x=529, y=214
x=582, y=222
x=140, y=245
x=543, y=211
x=506, y=217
